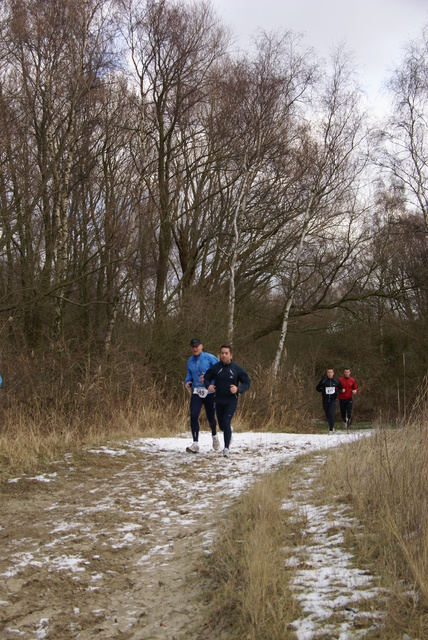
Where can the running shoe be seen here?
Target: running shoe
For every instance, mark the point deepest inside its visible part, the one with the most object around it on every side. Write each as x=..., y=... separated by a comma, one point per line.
x=226, y=453
x=194, y=448
x=216, y=443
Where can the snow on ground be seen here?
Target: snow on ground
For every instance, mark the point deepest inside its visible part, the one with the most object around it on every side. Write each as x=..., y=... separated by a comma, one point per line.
x=157, y=499
x=327, y=584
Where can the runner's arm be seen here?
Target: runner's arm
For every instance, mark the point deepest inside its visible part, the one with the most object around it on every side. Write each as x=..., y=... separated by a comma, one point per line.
x=209, y=377
x=320, y=385
x=244, y=380
x=189, y=376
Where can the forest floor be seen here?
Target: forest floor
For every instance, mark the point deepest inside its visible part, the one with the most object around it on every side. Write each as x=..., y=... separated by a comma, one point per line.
x=108, y=544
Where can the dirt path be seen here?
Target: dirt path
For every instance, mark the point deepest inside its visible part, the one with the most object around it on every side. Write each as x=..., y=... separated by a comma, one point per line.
x=109, y=548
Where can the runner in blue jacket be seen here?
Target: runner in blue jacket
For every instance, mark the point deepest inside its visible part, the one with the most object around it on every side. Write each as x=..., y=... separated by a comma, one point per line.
x=197, y=365
x=227, y=379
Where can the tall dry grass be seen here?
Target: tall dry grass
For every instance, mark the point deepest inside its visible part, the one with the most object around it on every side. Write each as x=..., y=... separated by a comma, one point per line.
x=248, y=592
x=277, y=404
x=385, y=478
x=50, y=404
x=36, y=431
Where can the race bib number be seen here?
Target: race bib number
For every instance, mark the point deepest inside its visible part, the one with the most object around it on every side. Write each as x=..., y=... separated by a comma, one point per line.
x=201, y=392
x=330, y=390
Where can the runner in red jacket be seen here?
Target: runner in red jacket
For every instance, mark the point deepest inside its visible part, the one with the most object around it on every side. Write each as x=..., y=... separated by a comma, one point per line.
x=346, y=398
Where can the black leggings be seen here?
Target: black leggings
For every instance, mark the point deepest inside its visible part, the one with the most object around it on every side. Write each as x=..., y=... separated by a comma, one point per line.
x=346, y=409
x=195, y=409
x=330, y=410
x=224, y=416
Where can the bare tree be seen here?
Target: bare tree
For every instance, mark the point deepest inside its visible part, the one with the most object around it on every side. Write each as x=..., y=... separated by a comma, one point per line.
x=336, y=158
x=174, y=48
x=404, y=138
x=56, y=54
x=260, y=97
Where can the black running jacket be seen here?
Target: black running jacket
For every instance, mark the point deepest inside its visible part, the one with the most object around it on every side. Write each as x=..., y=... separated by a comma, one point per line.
x=222, y=376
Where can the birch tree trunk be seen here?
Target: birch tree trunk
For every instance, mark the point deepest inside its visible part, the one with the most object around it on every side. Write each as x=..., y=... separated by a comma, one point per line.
x=61, y=226
x=240, y=208
x=232, y=288
x=293, y=283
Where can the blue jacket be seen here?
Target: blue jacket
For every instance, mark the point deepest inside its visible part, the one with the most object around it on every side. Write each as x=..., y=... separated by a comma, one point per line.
x=197, y=366
x=224, y=375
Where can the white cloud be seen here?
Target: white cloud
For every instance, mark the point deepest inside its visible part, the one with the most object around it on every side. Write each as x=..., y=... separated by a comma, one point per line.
x=374, y=30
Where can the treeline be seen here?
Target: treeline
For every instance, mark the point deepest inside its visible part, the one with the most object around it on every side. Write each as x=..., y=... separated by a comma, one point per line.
x=155, y=184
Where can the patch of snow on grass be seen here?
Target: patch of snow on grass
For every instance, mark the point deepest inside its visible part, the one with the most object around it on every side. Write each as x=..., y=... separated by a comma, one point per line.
x=327, y=584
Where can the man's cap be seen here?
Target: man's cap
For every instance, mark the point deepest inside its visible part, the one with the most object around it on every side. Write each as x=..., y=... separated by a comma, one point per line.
x=195, y=342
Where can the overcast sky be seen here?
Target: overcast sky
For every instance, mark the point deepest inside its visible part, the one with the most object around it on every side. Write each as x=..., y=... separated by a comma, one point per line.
x=374, y=30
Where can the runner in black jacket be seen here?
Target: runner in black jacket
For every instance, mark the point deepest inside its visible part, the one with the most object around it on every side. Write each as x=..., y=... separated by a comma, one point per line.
x=330, y=388
x=228, y=380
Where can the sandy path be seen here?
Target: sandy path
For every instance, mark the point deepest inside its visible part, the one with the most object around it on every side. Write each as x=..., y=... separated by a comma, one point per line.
x=109, y=548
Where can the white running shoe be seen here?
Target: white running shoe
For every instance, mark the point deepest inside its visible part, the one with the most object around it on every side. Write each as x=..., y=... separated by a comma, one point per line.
x=194, y=448
x=216, y=443
x=226, y=453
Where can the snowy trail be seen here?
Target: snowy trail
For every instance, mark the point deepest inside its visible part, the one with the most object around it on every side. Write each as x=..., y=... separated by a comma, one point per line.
x=109, y=549
x=338, y=599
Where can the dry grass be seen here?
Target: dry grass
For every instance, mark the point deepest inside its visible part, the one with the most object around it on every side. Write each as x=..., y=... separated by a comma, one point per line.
x=32, y=435
x=249, y=592
x=50, y=406
x=276, y=405
x=385, y=478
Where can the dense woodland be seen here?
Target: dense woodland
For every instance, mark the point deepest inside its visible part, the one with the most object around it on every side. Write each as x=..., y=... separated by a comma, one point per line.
x=157, y=184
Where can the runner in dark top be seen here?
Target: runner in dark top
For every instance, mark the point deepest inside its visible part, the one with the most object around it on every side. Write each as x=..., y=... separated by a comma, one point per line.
x=227, y=379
